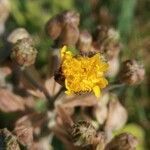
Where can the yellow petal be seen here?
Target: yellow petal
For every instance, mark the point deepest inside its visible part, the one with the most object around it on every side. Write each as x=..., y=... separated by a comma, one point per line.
x=96, y=91
x=66, y=84
x=68, y=92
x=63, y=50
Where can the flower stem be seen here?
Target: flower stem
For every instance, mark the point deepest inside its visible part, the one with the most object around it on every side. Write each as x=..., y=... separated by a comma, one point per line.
x=113, y=86
x=36, y=84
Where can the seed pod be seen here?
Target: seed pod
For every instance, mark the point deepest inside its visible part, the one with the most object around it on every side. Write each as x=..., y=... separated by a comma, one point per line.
x=69, y=35
x=8, y=141
x=54, y=27
x=83, y=133
x=132, y=72
x=124, y=141
x=23, y=53
x=84, y=41
x=18, y=34
x=71, y=17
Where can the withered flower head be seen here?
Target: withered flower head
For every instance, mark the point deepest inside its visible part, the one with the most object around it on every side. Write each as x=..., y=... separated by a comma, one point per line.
x=84, y=41
x=69, y=35
x=18, y=34
x=23, y=53
x=54, y=27
x=83, y=74
x=71, y=17
x=107, y=40
x=83, y=133
x=8, y=141
x=132, y=72
x=124, y=141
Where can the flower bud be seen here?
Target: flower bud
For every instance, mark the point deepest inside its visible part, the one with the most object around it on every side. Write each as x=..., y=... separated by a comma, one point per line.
x=71, y=17
x=18, y=34
x=54, y=27
x=84, y=42
x=83, y=133
x=23, y=53
x=124, y=141
x=69, y=35
x=132, y=72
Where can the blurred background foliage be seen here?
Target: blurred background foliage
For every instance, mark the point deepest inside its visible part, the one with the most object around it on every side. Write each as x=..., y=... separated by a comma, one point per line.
x=130, y=18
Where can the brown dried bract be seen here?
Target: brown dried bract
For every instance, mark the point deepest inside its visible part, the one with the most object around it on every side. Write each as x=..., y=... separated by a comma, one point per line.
x=10, y=102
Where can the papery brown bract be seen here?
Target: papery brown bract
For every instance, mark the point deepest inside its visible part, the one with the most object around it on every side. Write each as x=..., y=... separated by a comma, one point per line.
x=9, y=102
x=124, y=141
x=24, y=131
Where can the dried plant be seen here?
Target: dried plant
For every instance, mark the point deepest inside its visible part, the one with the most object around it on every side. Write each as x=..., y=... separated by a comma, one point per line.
x=74, y=100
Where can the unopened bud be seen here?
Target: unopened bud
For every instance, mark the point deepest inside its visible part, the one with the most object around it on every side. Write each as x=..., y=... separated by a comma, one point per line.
x=83, y=133
x=132, y=72
x=69, y=35
x=71, y=17
x=54, y=27
x=23, y=53
x=84, y=42
x=18, y=34
x=124, y=141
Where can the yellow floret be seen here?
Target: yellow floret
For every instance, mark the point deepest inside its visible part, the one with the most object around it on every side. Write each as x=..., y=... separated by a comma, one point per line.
x=82, y=73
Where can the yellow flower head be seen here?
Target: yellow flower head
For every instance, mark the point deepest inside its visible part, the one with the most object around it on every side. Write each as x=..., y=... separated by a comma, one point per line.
x=82, y=73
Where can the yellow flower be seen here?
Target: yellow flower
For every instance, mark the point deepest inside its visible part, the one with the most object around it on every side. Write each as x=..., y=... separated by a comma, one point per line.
x=82, y=73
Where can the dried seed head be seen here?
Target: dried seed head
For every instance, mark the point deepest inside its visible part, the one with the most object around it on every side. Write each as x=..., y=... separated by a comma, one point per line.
x=54, y=27
x=69, y=35
x=132, y=72
x=71, y=17
x=8, y=141
x=124, y=141
x=83, y=133
x=104, y=16
x=84, y=41
x=18, y=34
x=23, y=53
x=108, y=41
